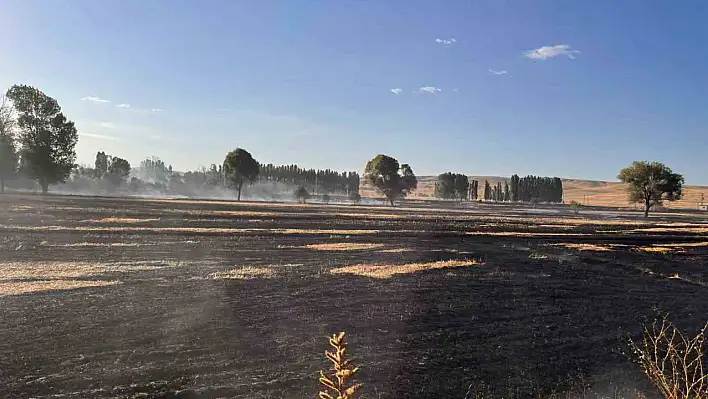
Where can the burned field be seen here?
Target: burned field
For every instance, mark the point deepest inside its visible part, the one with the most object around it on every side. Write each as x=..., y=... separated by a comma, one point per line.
x=105, y=297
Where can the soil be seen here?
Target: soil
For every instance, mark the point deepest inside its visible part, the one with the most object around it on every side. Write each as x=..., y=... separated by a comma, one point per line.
x=546, y=299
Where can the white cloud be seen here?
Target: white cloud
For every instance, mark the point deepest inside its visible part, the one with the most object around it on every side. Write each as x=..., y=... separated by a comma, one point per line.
x=99, y=136
x=396, y=91
x=108, y=125
x=123, y=105
x=546, y=52
x=498, y=72
x=95, y=99
x=156, y=110
x=446, y=42
x=429, y=89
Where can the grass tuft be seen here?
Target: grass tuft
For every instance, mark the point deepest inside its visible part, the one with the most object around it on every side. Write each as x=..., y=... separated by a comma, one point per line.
x=244, y=273
x=343, y=246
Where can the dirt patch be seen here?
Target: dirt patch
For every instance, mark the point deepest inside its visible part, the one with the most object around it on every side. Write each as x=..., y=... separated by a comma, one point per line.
x=343, y=246
x=244, y=273
x=387, y=270
x=26, y=287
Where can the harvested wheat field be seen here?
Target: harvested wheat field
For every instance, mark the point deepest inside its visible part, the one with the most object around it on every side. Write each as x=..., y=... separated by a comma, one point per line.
x=134, y=298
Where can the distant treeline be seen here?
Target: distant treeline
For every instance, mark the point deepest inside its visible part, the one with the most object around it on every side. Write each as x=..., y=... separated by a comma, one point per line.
x=315, y=180
x=525, y=189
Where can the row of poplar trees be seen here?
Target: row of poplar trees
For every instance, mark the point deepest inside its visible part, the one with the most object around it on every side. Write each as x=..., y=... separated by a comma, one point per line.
x=517, y=189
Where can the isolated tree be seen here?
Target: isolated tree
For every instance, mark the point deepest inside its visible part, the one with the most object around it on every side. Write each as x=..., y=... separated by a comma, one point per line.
x=8, y=151
x=445, y=186
x=46, y=137
x=384, y=173
x=101, y=164
x=301, y=194
x=118, y=170
x=240, y=168
x=462, y=187
x=651, y=183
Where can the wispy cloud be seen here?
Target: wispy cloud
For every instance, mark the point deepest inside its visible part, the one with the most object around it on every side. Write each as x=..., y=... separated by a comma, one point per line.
x=108, y=125
x=546, y=52
x=429, y=89
x=396, y=91
x=123, y=105
x=498, y=72
x=446, y=42
x=156, y=110
x=99, y=136
x=95, y=99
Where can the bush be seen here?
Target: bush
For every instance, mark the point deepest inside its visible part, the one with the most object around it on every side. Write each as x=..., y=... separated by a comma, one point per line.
x=673, y=361
x=576, y=206
x=302, y=195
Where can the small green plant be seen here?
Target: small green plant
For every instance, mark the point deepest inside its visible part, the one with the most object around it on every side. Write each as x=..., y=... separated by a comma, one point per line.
x=338, y=385
x=673, y=361
x=301, y=194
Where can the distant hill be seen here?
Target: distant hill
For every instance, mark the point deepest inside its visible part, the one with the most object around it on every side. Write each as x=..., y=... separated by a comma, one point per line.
x=589, y=192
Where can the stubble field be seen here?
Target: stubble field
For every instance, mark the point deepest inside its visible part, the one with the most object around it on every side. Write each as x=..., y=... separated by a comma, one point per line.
x=107, y=297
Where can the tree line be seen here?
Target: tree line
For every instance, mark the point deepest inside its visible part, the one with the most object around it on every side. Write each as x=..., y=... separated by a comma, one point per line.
x=38, y=141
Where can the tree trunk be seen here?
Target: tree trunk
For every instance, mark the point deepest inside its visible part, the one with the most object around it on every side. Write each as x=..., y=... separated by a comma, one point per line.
x=2, y=184
x=391, y=201
x=647, y=205
x=45, y=187
x=238, y=198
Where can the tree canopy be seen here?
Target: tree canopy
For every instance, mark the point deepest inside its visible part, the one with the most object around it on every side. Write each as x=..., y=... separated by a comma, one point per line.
x=240, y=168
x=651, y=183
x=8, y=151
x=389, y=178
x=452, y=186
x=47, y=138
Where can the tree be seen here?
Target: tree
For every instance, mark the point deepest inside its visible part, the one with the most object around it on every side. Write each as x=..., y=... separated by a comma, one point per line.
x=507, y=193
x=118, y=170
x=301, y=194
x=487, y=191
x=384, y=173
x=239, y=168
x=514, y=188
x=47, y=138
x=355, y=197
x=462, y=187
x=445, y=186
x=8, y=151
x=651, y=183
x=101, y=164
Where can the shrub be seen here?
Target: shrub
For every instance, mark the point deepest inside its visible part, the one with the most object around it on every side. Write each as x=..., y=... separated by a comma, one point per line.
x=302, y=195
x=576, y=206
x=673, y=361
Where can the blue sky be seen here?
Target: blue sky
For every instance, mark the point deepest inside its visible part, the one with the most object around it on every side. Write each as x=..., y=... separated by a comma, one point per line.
x=566, y=88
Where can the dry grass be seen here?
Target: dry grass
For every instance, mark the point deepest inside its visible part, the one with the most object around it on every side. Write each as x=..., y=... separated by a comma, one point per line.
x=98, y=244
x=58, y=270
x=656, y=249
x=523, y=234
x=343, y=246
x=388, y=270
x=584, y=247
x=685, y=244
x=677, y=229
x=119, y=220
x=244, y=273
x=26, y=287
x=137, y=229
x=395, y=250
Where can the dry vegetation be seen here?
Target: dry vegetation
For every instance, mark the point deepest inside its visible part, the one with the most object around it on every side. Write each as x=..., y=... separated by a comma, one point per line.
x=344, y=246
x=118, y=220
x=244, y=273
x=26, y=287
x=389, y=270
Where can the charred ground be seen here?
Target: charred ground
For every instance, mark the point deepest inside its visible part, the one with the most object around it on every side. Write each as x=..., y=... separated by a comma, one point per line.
x=105, y=297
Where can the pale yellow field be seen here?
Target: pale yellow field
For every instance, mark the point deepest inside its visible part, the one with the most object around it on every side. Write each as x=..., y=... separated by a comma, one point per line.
x=589, y=192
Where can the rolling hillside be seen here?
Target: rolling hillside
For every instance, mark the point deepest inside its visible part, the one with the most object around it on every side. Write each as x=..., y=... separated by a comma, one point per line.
x=589, y=192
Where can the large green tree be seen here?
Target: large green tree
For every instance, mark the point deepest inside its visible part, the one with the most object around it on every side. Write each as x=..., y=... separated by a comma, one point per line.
x=101, y=164
x=389, y=178
x=651, y=183
x=8, y=152
x=240, y=168
x=46, y=137
x=118, y=170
